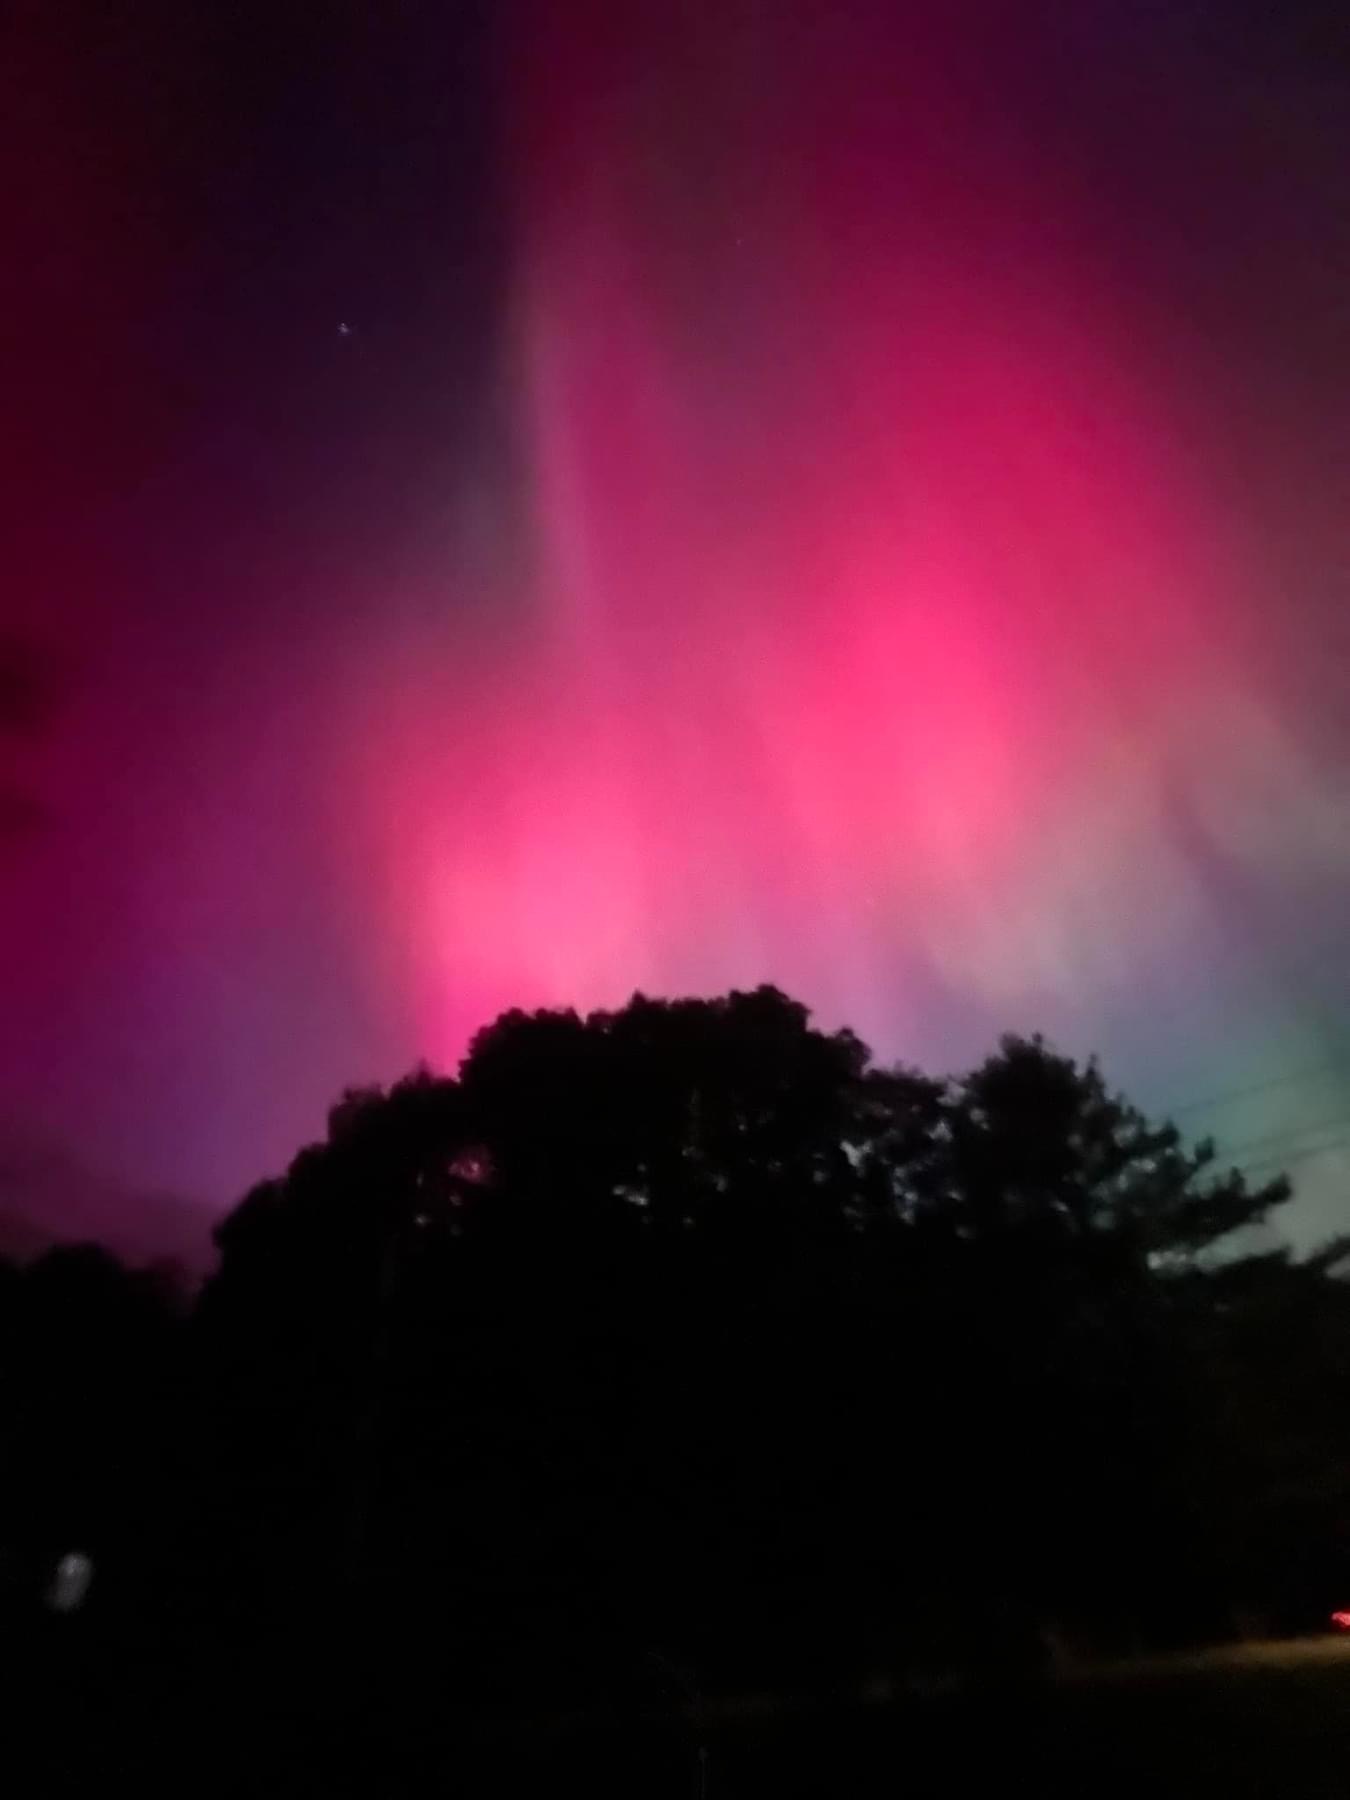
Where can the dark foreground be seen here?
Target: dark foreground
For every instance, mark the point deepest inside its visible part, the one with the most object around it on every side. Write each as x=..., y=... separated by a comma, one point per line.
x=1268, y=1720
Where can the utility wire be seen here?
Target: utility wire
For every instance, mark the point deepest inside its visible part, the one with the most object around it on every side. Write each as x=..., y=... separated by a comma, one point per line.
x=1276, y=1164
x=1285, y=1135
x=1226, y=1096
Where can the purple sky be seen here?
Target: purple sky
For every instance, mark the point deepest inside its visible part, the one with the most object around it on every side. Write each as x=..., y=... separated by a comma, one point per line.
x=514, y=504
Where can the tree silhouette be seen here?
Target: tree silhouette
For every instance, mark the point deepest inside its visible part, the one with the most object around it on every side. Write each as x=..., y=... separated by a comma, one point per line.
x=686, y=1329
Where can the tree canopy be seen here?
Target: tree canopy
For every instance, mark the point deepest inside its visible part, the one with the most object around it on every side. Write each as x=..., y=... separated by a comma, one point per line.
x=687, y=1337
x=689, y=1327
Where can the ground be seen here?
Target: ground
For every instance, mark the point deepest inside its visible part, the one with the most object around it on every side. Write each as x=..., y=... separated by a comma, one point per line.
x=1262, y=1720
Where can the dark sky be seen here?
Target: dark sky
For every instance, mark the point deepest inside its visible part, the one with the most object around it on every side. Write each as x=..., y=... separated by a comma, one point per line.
x=518, y=503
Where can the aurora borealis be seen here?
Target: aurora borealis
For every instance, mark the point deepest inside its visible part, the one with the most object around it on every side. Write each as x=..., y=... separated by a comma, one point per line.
x=808, y=494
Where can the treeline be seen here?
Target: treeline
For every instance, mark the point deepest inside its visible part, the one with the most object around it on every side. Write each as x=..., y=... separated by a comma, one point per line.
x=684, y=1347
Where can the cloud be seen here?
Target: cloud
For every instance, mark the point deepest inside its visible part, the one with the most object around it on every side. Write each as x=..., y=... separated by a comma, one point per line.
x=47, y=1197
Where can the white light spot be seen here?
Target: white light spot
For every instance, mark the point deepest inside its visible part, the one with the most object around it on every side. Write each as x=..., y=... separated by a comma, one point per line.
x=70, y=1584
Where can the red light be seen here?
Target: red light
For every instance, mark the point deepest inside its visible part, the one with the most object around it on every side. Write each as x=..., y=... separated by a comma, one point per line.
x=1341, y=1619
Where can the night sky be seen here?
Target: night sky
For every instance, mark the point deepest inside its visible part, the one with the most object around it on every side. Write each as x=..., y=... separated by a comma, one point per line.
x=514, y=504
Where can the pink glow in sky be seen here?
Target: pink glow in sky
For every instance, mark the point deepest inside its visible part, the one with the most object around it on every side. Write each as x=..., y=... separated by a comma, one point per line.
x=882, y=615
x=868, y=521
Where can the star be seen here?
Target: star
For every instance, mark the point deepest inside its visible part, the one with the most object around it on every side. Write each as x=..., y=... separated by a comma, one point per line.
x=344, y=329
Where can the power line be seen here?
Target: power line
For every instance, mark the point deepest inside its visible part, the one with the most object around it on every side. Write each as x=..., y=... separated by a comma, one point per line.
x=1276, y=1164
x=1227, y=1096
x=1287, y=1134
